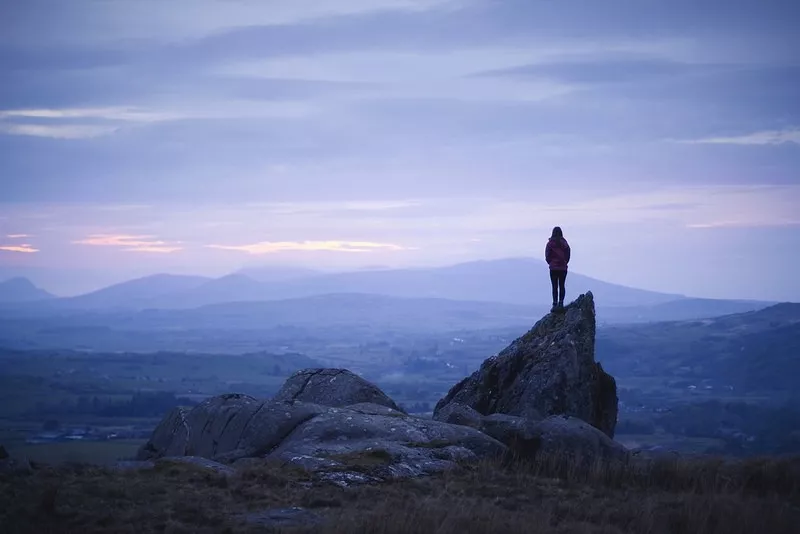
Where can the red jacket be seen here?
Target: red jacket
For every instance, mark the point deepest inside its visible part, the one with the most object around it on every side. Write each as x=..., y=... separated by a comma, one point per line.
x=557, y=253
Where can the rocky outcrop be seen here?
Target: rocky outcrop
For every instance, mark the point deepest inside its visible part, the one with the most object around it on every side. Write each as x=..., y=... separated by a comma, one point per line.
x=332, y=387
x=551, y=370
x=319, y=438
x=542, y=396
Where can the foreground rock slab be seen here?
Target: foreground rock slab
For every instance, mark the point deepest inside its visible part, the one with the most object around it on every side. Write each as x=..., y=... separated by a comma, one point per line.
x=228, y=428
x=410, y=446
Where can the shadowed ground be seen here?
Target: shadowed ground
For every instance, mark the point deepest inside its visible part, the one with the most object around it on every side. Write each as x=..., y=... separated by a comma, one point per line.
x=550, y=496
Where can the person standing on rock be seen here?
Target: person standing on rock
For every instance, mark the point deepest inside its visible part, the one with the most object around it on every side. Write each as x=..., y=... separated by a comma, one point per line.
x=557, y=253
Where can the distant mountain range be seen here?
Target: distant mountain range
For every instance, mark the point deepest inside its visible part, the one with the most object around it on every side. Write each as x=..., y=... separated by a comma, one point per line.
x=507, y=288
x=511, y=281
x=18, y=290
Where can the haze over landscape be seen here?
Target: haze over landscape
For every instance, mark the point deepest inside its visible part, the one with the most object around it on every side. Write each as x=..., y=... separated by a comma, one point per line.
x=282, y=263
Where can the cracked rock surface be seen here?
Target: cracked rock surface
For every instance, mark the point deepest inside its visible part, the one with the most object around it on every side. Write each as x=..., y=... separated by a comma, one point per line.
x=232, y=427
x=332, y=387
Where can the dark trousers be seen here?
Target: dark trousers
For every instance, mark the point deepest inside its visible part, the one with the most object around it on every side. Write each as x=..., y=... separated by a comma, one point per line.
x=558, y=280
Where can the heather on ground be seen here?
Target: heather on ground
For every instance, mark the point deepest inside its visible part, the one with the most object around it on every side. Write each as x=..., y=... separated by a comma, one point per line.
x=551, y=495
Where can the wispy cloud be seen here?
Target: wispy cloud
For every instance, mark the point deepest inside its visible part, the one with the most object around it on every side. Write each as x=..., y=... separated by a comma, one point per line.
x=111, y=113
x=131, y=243
x=155, y=249
x=87, y=123
x=122, y=207
x=769, y=137
x=363, y=206
x=74, y=123
x=57, y=131
x=272, y=247
x=745, y=224
x=18, y=236
x=23, y=248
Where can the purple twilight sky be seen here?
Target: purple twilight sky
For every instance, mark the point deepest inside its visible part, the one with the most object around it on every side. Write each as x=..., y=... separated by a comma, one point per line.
x=200, y=136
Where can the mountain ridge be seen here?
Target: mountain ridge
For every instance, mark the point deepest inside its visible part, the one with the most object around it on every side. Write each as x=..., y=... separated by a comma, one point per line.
x=522, y=281
x=21, y=289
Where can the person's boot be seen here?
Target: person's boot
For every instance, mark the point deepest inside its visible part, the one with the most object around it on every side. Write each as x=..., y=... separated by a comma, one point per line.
x=554, y=308
x=561, y=304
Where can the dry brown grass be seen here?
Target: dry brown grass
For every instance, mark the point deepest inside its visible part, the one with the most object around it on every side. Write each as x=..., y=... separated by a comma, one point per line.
x=549, y=496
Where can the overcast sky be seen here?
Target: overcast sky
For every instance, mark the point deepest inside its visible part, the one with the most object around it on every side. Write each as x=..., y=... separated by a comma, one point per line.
x=199, y=136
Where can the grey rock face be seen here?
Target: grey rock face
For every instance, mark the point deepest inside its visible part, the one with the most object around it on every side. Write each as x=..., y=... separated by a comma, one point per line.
x=456, y=413
x=170, y=437
x=557, y=435
x=519, y=434
x=572, y=437
x=412, y=446
x=551, y=370
x=332, y=387
x=228, y=428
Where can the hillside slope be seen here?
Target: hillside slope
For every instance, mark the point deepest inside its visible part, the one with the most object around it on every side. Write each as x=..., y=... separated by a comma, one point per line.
x=20, y=289
x=750, y=352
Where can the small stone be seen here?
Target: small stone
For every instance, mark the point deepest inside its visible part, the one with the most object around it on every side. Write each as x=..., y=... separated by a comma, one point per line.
x=283, y=518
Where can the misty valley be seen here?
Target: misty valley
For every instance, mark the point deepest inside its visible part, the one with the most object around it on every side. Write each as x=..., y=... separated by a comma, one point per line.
x=78, y=385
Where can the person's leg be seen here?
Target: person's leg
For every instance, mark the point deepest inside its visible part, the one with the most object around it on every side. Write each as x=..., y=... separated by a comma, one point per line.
x=562, y=283
x=554, y=283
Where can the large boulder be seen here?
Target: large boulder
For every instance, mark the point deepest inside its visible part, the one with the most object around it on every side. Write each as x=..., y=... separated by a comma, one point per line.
x=332, y=387
x=550, y=370
x=226, y=427
x=531, y=438
x=323, y=439
x=572, y=438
